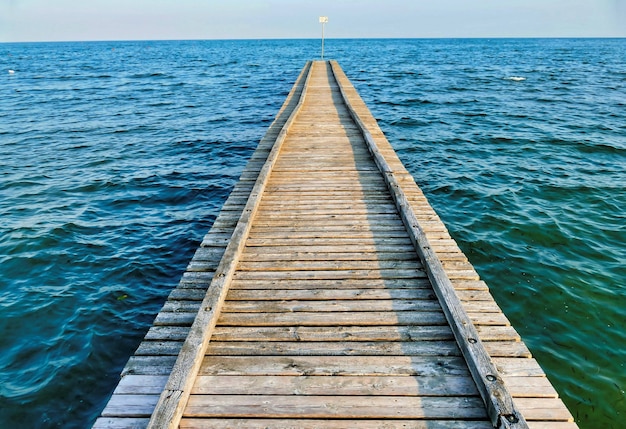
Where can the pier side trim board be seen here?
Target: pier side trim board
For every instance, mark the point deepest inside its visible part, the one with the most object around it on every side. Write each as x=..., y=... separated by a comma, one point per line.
x=339, y=338
x=170, y=407
x=144, y=376
x=499, y=402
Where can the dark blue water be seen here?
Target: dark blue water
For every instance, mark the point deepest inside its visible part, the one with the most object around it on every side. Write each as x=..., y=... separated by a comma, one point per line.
x=115, y=159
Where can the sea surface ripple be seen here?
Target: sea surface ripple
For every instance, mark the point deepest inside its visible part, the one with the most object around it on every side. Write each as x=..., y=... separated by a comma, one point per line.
x=115, y=158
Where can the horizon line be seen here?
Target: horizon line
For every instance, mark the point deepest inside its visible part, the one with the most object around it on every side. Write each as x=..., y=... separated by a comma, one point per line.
x=312, y=38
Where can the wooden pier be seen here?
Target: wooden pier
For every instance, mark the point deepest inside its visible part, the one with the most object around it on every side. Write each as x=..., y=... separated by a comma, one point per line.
x=328, y=294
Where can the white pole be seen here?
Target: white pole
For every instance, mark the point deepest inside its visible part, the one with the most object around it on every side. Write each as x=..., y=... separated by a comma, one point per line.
x=323, y=21
x=323, y=40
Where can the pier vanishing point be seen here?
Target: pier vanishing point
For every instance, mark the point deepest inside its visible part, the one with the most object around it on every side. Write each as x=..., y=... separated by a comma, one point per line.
x=329, y=294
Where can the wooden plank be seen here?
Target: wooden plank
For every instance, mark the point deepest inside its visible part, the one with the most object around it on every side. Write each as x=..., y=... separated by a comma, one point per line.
x=336, y=224
x=488, y=319
x=316, y=184
x=512, y=367
x=364, y=318
x=291, y=306
x=327, y=407
x=286, y=218
x=340, y=283
x=356, y=251
x=332, y=333
x=335, y=365
x=167, y=333
x=242, y=423
x=141, y=385
x=338, y=385
x=149, y=365
x=333, y=348
x=370, y=274
x=530, y=387
x=341, y=202
x=552, y=425
x=311, y=194
x=134, y=406
x=274, y=293
x=328, y=229
x=497, y=333
x=507, y=349
x=329, y=294
x=390, y=318
x=372, y=241
x=120, y=423
x=550, y=409
x=328, y=264
x=281, y=255
x=298, y=348
x=340, y=210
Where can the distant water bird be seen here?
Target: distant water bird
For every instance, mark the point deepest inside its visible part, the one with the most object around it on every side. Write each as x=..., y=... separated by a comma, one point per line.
x=11, y=71
x=516, y=78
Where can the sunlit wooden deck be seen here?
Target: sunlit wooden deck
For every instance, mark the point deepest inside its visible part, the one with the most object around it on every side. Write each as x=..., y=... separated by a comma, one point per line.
x=328, y=294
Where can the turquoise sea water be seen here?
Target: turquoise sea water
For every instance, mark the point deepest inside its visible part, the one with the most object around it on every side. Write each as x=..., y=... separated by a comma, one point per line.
x=115, y=158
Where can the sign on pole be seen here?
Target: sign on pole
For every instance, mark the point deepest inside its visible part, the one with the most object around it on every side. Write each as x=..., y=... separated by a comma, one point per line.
x=323, y=21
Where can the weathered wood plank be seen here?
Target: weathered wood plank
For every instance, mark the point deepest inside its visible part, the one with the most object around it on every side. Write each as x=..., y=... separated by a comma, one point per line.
x=335, y=365
x=518, y=367
x=149, y=365
x=338, y=385
x=356, y=252
x=390, y=318
x=329, y=294
x=340, y=283
x=333, y=333
x=241, y=423
x=364, y=318
x=121, y=423
x=136, y=406
x=289, y=218
x=551, y=425
x=329, y=264
x=371, y=274
x=507, y=349
x=372, y=241
x=530, y=387
x=298, y=348
x=334, y=407
x=274, y=293
x=550, y=409
x=336, y=224
x=333, y=348
x=291, y=306
x=141, y=385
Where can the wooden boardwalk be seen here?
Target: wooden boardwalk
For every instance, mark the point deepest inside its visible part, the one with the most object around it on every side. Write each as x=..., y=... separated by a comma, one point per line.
x=328, y=294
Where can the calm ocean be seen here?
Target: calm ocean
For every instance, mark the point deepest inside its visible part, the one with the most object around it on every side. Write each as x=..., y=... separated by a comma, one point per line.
x=115, y=158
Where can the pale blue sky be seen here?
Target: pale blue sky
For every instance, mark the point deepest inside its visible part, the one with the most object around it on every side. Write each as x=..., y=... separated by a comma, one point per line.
x=52, y=20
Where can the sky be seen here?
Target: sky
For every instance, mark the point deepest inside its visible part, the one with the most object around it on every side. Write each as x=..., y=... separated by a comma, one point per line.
x=82, y=20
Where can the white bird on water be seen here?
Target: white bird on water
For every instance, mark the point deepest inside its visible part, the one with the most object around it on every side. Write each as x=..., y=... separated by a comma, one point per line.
x=11, y=71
